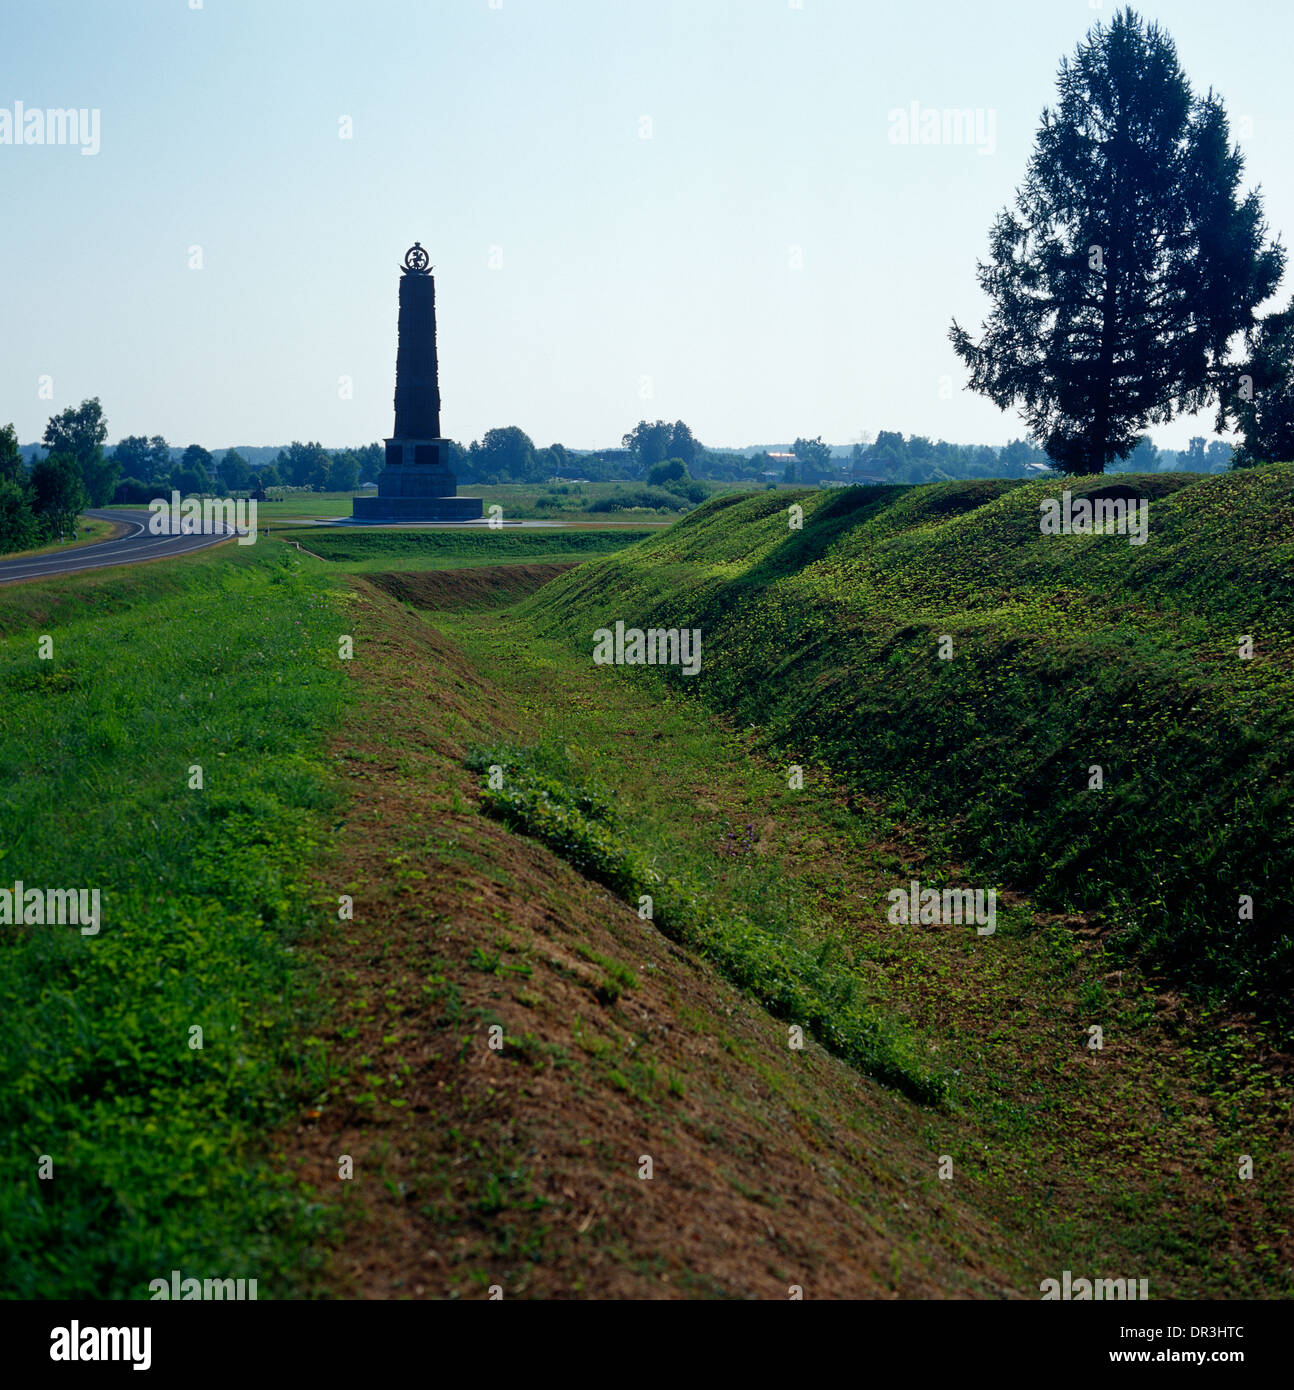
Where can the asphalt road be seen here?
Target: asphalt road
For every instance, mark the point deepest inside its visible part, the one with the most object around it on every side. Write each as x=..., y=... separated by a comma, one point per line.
x=138, y=544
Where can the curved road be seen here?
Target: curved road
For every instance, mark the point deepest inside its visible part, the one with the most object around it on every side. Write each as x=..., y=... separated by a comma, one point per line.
x=137, y=544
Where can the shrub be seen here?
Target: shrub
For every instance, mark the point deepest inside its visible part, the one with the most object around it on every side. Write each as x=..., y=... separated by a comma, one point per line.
x=649, y=498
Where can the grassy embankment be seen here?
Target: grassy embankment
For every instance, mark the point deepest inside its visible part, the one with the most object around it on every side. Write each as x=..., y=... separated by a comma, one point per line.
x=1069, y=653
x=361, y=551
x=1122, y=1159
x=89, y=531
x=227, y=661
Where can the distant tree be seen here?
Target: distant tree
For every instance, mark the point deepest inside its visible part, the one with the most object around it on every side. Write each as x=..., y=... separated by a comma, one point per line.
x=134, y=456
x=304, y=465
x=78, y=430
x=691, y=488
x=269, y=476
x=1144, y=457
x=683, y=444
x=506, y=454
x=198, y=461
x=1259, y=396
x=1016, y=454
x=161, y=458
x=917, y=471
x=888, y=454
x=1194, y=462
x=234, y=471
x=561, y=459
x=814, y=455
x=649, y=443
x=59, y=493
x=187, y=480
x=460, y=464
x=371, y=460
x=1130, y=262
x=667, y=471
x=1218, y=455
x=11, y=456
x=78, y=433
x=19, y=527
x=343, y=473
x=134, y=490
x=919, y=448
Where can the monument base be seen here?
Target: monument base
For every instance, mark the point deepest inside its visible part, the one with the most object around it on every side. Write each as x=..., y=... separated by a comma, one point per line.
x=417, y=485
x=417, y=508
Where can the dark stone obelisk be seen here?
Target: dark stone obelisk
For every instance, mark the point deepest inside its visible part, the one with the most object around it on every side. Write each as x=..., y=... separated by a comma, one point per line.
x=417, y=484
x=417, y=373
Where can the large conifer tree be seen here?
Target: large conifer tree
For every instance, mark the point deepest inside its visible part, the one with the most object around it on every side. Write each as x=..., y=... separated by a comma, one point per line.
x=1131, y=259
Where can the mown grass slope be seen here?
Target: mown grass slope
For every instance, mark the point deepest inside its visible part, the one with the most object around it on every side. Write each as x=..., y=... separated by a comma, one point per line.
x=364, y=550
x=1068, y=653
x=143, y=1065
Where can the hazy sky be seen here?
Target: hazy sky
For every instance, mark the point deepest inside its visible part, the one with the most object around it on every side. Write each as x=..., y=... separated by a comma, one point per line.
x=665, y=208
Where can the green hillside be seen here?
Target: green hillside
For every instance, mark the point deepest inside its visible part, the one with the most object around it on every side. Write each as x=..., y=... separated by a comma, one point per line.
x=1068, y=653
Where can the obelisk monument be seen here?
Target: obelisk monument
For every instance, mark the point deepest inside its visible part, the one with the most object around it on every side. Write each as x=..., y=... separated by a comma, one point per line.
x=417, y=484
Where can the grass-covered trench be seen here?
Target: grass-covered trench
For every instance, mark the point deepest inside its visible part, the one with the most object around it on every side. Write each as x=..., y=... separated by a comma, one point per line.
x=133, y=1151
x=143, y=1066
x=1069, y=1156
x=1110, y=726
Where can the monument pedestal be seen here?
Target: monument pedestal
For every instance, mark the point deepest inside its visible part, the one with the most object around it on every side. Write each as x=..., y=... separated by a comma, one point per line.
x=417, y=485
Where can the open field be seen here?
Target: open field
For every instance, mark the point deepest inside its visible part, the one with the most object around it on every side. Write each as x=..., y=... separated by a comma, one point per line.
x=520, y=502
x=373, y=548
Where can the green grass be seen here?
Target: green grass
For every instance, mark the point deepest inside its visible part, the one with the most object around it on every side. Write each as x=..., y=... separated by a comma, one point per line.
x=1054, y=1147
x=229, y=663
x=89, y=531
x=795, y=979
x=1068, y=652
x=361, y=550
x=520, y=501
